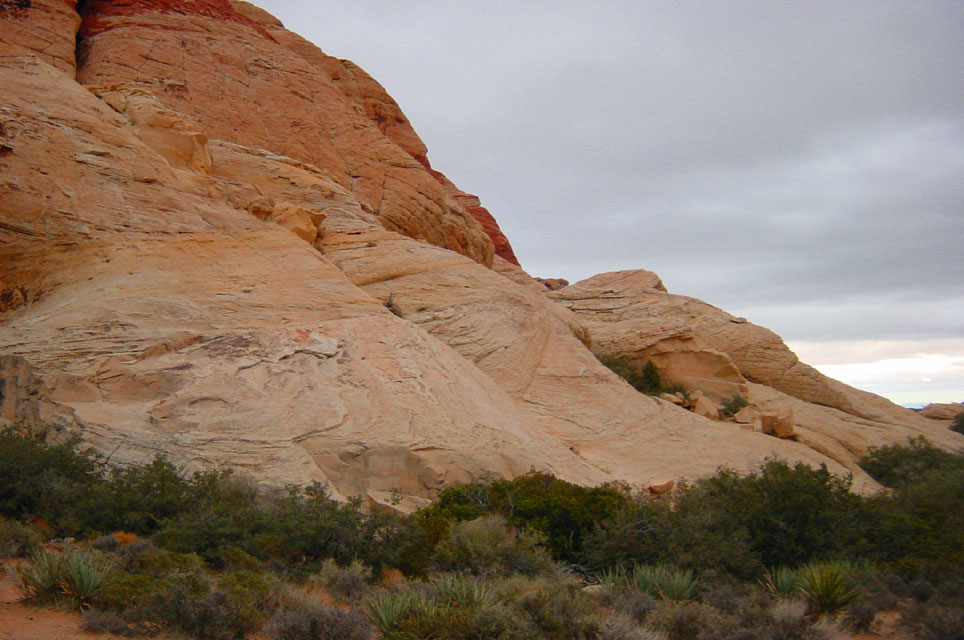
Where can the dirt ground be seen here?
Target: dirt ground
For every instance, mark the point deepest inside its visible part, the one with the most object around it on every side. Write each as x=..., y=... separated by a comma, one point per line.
x=19, y=621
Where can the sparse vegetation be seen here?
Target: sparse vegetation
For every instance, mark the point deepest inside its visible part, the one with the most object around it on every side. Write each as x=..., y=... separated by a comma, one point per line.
x=957, y=425
x=205, y=557
x=732, y=405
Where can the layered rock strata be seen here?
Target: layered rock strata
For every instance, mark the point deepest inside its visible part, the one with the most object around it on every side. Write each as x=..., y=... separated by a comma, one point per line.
x=219, y=244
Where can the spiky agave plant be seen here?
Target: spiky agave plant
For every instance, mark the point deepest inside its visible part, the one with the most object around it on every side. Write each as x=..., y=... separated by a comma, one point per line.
x=40, y=578
x=828, y=587
x=781, y=582
x=678, y=584
x=464, y=591
x=82, y=577
x=389, y=612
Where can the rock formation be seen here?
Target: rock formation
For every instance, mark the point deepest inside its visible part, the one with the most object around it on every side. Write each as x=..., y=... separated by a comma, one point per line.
x=220, y=244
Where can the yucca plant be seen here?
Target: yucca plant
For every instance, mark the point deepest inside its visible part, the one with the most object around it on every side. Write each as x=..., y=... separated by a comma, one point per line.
x=82, y=576
x=464, y=591
x=40, y=579
x=613, y=579
x=781, y=582
x=389, y=612
x=677, y=584
x=828, y=587
x=647, y=578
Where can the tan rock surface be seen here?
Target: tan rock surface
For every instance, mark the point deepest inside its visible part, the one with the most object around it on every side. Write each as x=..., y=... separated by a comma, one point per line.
x=43, y=28
x=203, y=59
x=286, y=289
x=946, y=411
x=159, y=318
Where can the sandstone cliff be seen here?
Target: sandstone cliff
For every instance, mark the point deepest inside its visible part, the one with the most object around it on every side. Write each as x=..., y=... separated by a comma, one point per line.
x=221, y=244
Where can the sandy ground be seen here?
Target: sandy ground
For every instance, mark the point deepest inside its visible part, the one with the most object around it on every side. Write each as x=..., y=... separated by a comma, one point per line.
x=19, y=621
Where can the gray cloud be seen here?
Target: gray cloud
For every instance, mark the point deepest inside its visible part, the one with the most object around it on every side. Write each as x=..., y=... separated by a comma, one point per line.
x=800, y=163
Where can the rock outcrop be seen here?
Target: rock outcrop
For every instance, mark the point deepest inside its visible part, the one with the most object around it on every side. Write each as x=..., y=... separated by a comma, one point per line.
x=220, y=244
x=943, y=411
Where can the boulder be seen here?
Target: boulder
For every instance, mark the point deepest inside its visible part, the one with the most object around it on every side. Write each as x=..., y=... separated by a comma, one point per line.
x=778, y=423
x=661, y=486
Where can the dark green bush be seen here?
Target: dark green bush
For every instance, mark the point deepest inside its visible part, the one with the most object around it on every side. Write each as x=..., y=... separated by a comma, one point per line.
x=731, y=406
x=899, y=465
x=17, y=539
x=957, y=425
x=59, y=483
x=646, y=381
x=563, y=512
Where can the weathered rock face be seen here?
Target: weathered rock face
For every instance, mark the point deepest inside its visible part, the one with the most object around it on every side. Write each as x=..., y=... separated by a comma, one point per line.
x=203, y=59
x=230, y=248
x=630, y=315
x=946, y=411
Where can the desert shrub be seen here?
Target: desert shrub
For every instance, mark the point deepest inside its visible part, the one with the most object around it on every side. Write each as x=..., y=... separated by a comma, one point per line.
x=122, y=590
x=142, y=497
x=57, y=482
x=899, y=465
x=689, y=620
x=17, y=539
x=207, y=616
x=621, y=627
x=646, y=381
x=562, y=613
x=691, y=534
x=487, y=546
x=732, y=405
x=937, y=619
x=318, y=623
x=919, y=529
x=957, y=425
x=828, y=587
x=99, y=621
x=224, y=509
x=349, y=583
x=790, y=514
x=563, y=512
x=397, y=613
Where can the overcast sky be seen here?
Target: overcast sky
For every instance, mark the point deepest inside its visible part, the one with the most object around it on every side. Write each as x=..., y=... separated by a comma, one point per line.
x=797, y=163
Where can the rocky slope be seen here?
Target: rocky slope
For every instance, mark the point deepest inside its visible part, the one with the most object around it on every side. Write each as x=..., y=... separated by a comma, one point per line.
x=221, y=244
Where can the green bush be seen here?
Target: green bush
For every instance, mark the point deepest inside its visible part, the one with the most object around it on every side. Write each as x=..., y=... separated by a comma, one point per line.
x=487, y=546
x=957, y=425
x=899, y=465
x=731, y=406
x=646, y=381
x=18, y=540
x=563, y=512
